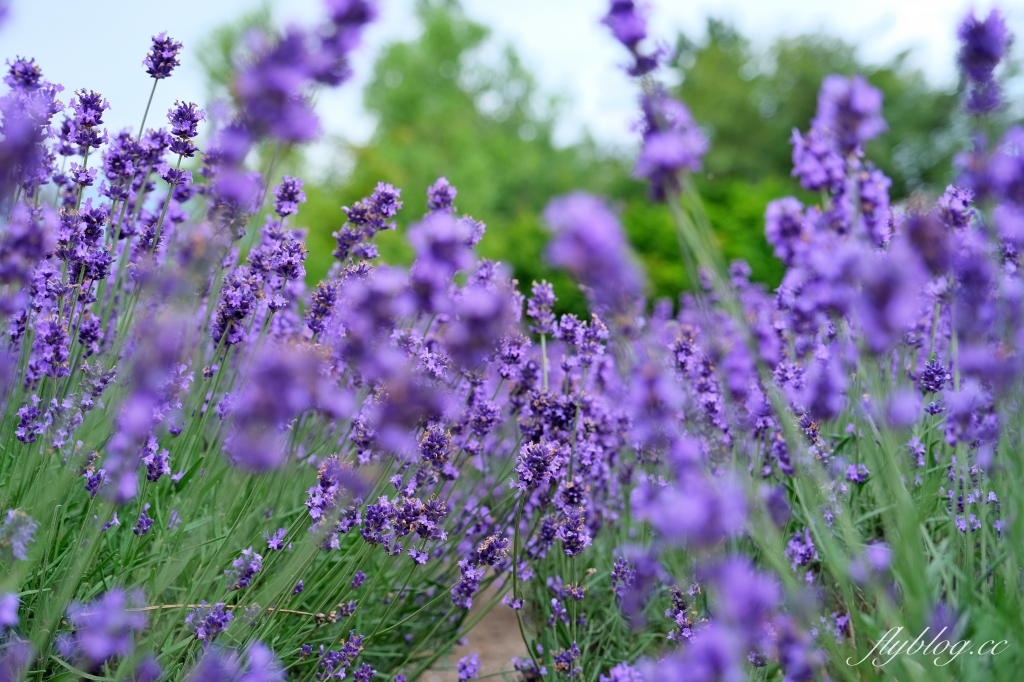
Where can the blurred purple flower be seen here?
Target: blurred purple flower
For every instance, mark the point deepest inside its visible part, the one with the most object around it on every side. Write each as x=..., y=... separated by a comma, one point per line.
x=106, y=627
x=850, y=109
x=441, y=196
x=9, y=603
x=469, y=667
x=590, y=244
x=16, y=534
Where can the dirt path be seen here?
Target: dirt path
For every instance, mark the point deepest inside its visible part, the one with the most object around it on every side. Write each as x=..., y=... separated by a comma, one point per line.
x=495, y=639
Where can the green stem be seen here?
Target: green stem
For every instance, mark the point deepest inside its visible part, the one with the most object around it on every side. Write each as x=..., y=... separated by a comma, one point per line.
x=163, y=213
x=398, y=596
x=544, y=358
x=515, y=579
x=81, y=188
x=145, y=114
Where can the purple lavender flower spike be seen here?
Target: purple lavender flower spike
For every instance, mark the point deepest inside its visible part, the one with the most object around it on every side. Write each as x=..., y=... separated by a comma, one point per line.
x=259, y=665
x=441, y=196
x=9, y=604
x=857, y=473
x=366, y=218
x=672, y=143
x=590, y=244
x=441, y=243
x=288, y=195
x=816, y=161
x=28, y=238
x=340, y=35
x=565, y=659
x=157, y=463
x=493, y=550
x=929, y=238
x=144, y=523
x=982, y=46
x=904, y=408
x=872, y=563
x=538, y=462
x=824, y=394
x=333, y=482
x=874, y=198
x=890, y=296
x=242, y=570
x=628, y=23
x=784, y=228
x=697, y=510
x=481, y=316
x=162, y=57
x=184, y=118
x=88, y=108
x=275, y=542
x=114, y=521
x=23, y=75
x=538, y=308
x=285, y=382
x=1009, y=219
x=573, y=531
x=364, y=674
x=462, y=593
x=207, y=622
x=850, y=109
x=272, y=89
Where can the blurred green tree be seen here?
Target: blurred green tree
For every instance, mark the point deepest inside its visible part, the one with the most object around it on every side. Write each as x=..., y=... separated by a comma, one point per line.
x=749, y=102
x=442, y=110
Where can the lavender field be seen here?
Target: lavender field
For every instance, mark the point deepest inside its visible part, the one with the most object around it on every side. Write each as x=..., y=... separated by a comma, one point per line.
x=211, y=470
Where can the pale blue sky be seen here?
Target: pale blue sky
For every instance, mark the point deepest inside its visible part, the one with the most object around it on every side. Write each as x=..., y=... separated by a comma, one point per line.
x=100, y=44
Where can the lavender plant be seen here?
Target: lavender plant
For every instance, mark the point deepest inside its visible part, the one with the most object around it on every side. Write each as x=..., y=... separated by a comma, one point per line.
x=340, y=483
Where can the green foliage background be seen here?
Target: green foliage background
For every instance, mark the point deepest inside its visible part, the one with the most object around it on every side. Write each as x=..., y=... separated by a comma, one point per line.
x=442, y=110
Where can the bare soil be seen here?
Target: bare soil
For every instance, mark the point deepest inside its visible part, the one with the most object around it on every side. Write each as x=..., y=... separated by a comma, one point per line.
x=495, y=639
